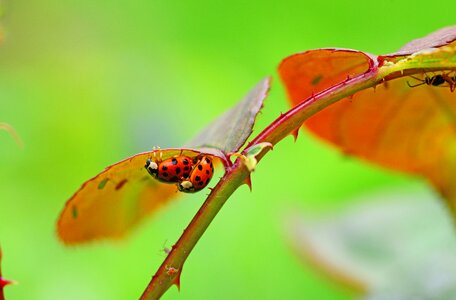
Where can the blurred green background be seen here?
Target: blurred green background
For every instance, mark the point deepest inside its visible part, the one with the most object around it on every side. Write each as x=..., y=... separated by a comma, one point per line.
x=88, y=83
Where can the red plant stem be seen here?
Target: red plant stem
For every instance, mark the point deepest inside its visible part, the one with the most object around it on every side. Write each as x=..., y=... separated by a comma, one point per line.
x=236, y=175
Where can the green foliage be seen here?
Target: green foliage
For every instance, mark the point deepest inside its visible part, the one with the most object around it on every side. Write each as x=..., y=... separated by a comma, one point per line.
x=84, y=84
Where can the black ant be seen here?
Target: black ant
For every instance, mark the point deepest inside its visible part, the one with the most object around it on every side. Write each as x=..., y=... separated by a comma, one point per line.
x=436, y=80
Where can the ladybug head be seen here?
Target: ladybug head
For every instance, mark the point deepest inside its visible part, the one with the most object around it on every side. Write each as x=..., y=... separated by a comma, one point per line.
x=185, y=186
x=151, y=167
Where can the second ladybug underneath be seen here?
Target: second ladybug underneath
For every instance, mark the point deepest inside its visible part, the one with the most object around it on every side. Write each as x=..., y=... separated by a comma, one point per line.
x=200, y=176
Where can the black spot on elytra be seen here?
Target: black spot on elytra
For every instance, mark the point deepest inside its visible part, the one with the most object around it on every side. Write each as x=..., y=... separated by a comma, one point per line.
x=197, y=178
x=185, y=161
x=207, y=181
x=200, y=183
x=207, y=172
x=121, y=184
x=174, y=161
x=174, y=178
x=178, y=170
x=207, y=160
x=200, y=167
x=164, y=168
x=186, y=175
x=186, y=168
x=165, y=174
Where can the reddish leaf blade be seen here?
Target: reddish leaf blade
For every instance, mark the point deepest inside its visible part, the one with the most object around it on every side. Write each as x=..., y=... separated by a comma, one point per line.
x=310, y=72
x=116, y=200
x=230, y=131
x=405, y=128
x=436, y=39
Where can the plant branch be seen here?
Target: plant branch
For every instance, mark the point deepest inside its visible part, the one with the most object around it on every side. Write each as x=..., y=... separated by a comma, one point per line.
x=170, y=270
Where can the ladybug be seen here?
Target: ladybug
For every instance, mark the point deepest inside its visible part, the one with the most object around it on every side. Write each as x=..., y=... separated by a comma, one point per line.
x=199, y=177
x=171, y=170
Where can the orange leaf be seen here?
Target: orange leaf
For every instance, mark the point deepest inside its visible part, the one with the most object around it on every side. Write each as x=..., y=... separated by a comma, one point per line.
x=117, y=199
x=397, y=125
x=114, y=201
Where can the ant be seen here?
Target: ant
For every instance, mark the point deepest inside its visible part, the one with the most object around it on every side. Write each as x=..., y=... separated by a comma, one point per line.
x=436, y=80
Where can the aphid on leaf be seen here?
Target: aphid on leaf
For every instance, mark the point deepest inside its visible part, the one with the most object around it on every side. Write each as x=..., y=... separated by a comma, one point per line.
x=171, y=170
x=199, y=177
x=436, y=80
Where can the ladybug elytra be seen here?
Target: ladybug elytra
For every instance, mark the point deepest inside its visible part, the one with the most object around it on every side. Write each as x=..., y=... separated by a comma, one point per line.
x=171, y=170
x=199, y=177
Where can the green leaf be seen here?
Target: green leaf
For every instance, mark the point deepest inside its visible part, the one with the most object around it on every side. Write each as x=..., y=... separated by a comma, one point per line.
x=230, y=131
x=399, y=246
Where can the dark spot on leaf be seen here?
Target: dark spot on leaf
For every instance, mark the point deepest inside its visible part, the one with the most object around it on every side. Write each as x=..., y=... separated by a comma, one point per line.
x=121, y=184
x=102, y=183
x=165, y=174
x=316, y=80
x=74, y=212
x=174, y=161
x=185, y=161
x=200, y=167
x=164, y=168
x=178, y=170
x=186, y=168
x=197, y=178
x=174, y=178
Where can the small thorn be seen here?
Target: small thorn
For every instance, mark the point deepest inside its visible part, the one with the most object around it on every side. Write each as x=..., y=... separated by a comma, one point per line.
x=248, y=181
x=4, y=282
x=295, y=134
x=176, y=280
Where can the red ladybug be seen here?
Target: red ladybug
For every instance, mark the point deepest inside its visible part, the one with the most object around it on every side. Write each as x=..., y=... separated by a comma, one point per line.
x=170, y=170
x=199, y=177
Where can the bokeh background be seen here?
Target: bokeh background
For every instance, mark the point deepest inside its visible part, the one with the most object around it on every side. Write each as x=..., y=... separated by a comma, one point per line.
x=88, y=83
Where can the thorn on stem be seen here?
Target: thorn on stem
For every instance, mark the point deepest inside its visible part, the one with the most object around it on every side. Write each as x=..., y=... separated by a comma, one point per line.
x=171, y=271
x=4, y=282
x=295, y=133
x=248, y=181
